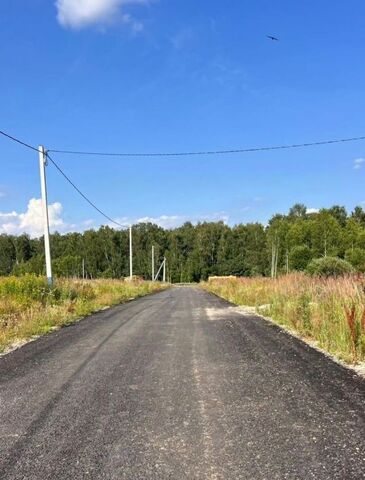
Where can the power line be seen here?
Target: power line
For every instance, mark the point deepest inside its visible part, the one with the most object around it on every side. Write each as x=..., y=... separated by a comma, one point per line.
x=209, y=152
x=18, y=141
x=185, y=154
x=82, y=194
x=64, y=175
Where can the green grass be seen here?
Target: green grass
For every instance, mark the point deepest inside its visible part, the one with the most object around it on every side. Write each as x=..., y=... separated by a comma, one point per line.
x=28, y=307
x=329, y=311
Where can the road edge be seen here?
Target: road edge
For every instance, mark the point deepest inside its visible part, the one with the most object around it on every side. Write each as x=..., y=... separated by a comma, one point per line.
x=246, y=311
x=22, y=342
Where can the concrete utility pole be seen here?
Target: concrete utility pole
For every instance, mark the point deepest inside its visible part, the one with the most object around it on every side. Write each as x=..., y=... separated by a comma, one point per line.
x=159, y=270
x=164, y=270
x=47, y=249
x=153, y=263
x=83, y=269
x=130, y=254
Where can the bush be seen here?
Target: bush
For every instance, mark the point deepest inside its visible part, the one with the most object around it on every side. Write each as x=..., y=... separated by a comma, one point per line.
x=329, y=267
x=299, y=257
x=356, y=256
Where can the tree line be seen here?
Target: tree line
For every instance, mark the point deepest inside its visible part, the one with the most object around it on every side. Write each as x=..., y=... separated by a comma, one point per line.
x=195, y=252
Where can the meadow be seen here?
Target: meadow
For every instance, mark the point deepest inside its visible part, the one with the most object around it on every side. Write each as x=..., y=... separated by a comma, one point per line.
x=328, y=311
x=28, y=307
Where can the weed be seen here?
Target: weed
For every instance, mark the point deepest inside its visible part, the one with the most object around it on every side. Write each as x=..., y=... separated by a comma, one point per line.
x=328, y=310
x=28, y=306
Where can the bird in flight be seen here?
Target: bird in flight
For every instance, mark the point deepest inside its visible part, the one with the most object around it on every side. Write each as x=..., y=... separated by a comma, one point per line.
x=272, y=38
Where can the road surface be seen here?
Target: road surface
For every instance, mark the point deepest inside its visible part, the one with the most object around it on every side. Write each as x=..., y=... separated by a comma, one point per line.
x=178, y=385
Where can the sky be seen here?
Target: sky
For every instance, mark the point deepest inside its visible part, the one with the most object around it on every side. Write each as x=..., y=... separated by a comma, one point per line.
x=170, y=76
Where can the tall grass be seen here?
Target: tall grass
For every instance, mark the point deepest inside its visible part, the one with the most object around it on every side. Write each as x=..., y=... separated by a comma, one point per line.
x=330, y=311
x=28, y=307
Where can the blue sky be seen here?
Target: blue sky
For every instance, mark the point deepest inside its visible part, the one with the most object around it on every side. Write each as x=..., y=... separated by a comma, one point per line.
x=145, y=76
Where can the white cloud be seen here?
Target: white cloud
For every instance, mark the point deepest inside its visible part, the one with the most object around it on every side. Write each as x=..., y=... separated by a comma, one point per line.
x=31, y=221
x=165, y=221
x=82, y=13
x=213, y=217
x=174, y=221
x=312, y=210
x=358, y=163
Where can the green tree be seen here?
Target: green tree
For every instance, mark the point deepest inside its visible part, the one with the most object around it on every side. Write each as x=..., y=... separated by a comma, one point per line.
x=194, y=252
x=325, y=235
x=299, y=257
x=7, y=254
x=356, y=256
x=359, y=215
x=299, y=210
x=339, y=213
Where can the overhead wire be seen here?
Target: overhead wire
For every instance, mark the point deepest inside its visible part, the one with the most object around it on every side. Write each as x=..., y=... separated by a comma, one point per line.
x=161, y=154
x=7, y=135
x=81, y=193
x=65, y=176
x=191, y=153
x=208, y=152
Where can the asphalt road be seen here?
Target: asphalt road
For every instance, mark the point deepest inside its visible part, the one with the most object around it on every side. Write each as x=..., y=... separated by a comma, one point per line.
x=178, y=386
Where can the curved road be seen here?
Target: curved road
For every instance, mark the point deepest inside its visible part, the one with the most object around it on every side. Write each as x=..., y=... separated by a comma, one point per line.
x=178, y=385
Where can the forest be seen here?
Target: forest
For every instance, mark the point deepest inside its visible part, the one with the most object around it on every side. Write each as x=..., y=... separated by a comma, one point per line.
x=194, y=252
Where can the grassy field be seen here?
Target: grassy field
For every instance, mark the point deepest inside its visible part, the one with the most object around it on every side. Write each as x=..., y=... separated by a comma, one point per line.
x=329, y=311
x=28, y=307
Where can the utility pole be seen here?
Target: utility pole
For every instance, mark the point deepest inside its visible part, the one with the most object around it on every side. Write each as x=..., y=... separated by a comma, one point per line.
x=153, y=263
x=47, y=249
x=130, y=254
x=164, y=270
x=83, y=269
x=159, y=270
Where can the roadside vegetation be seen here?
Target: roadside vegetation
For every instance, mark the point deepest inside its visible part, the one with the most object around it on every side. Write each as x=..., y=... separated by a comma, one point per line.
x=327, y=310
x=28, y=307
x=287, y=243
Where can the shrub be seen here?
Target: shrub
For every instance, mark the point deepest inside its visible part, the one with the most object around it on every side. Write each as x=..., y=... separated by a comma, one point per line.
x=356, y=256
x=329, y=267
x=299, y=257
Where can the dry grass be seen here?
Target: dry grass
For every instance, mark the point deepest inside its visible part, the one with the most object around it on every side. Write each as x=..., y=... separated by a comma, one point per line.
x=330, y=311
x=28, y=307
